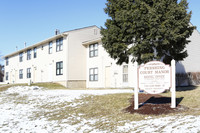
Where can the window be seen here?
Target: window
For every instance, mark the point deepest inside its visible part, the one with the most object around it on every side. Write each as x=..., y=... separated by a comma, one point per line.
x=7, y=62
x=59, y=68
x=93, y=50
x=93, y=74
x=28, y=72
x=21, y=74
x=35, y=52
x=6, y=75
x=59, y=44
x=29, y=54
x=50, y=47
x=21, y=57
x=125, y=73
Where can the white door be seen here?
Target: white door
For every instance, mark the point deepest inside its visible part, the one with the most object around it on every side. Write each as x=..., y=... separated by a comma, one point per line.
x=107, y=77
x=12, y=76
x=50, y=73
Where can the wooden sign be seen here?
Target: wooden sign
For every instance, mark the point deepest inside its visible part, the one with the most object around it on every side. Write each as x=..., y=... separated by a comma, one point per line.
x=154, y=77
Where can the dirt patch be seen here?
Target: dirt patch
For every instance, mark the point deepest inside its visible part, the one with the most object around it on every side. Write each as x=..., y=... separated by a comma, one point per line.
x=155, y=105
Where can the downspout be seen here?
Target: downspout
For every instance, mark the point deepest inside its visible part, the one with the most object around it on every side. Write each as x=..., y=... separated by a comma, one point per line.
x=65, y=37
x=67, y=60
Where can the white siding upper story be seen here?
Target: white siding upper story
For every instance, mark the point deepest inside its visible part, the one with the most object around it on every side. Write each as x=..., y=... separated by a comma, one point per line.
x=103, y=72
x=42, y=66
x=110, y=75
x=82, y=62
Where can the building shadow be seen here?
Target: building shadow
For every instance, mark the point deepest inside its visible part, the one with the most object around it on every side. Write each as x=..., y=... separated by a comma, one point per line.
x=161, y=100
x=181, y=75
x=184, y=78
x=186, y=88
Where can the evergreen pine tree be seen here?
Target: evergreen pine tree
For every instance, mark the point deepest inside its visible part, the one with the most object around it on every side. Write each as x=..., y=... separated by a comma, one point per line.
x=147, y=30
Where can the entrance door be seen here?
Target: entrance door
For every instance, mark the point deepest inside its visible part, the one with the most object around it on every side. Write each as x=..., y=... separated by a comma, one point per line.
x=107, y=77
x=50, y=73
x=12, y=76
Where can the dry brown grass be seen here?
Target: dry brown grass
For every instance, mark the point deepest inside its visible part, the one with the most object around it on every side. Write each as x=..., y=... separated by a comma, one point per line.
x=51, y=86
x=6, y=86
x=3, y=88
x=191, y=98
x=107, y=110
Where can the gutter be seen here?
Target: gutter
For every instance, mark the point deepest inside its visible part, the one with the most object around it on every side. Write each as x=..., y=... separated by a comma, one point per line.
x=36, y=45
x=96, y=40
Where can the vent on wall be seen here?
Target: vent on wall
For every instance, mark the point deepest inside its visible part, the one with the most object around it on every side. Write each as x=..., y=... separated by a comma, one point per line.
x=57, y=32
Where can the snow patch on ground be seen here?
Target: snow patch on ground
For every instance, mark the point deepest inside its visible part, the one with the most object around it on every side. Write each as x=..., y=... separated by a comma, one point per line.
x=168, y=124
x=18, y=106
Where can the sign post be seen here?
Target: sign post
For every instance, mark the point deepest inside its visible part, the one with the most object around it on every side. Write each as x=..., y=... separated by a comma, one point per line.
x=136, y=86
x=173, y=87
x=155, y=77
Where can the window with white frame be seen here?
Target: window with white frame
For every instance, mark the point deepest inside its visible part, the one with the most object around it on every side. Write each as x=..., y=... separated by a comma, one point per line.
x=6, y=75
x=93, y=49
x=125, y=73
x=29, y=54
x=50, y=47
x=59, y=68
x=93, y=74
x=59, y=44
x=35, y=52
x=21, y=57
x=28, y=72
x=21, y=74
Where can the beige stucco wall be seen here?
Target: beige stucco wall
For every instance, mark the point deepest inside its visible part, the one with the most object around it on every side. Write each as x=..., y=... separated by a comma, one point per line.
x=77, y=52
x=76, y=84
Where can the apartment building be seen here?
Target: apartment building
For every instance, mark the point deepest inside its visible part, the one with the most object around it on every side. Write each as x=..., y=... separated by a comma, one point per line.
x=76, y=59
x=61, y=59
x=104, y=73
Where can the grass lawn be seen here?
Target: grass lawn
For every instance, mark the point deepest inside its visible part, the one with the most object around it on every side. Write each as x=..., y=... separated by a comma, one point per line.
x=107, y=110
x=6, y=86
x=51, y=86
x=3, y=88
x=191, y=98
